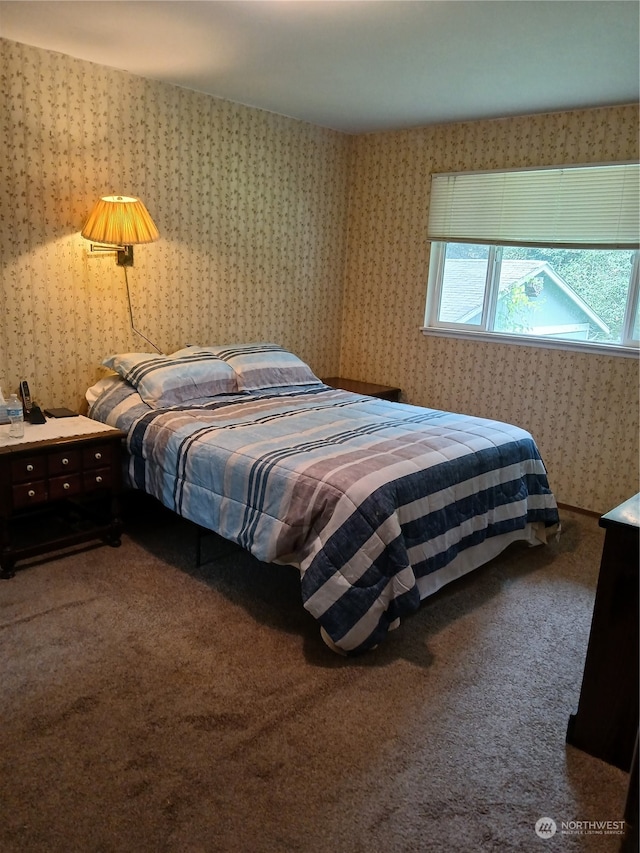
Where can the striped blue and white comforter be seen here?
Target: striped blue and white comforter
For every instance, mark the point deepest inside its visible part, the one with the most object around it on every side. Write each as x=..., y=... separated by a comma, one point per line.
x=367, y=498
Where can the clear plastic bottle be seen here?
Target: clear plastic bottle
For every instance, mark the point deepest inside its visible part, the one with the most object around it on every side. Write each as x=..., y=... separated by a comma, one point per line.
x=16, y=417
x=4, y=418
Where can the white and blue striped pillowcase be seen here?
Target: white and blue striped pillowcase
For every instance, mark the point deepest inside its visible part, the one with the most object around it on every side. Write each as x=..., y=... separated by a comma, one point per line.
x=263, y=365
x=168, y=380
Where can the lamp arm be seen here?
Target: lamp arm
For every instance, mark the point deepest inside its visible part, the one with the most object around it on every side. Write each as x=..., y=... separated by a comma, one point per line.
x=126, y=279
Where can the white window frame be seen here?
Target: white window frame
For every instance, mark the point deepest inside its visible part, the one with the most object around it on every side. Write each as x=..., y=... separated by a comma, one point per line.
x=484, y=330
x=533, y=207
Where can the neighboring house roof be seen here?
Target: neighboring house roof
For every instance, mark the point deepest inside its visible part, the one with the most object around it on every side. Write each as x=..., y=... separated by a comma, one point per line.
x=464, y=282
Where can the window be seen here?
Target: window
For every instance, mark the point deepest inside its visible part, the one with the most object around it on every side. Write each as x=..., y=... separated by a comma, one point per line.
x=542, y=256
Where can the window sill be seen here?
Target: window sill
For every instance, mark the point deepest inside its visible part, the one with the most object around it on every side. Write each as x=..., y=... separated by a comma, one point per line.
x=545, y=343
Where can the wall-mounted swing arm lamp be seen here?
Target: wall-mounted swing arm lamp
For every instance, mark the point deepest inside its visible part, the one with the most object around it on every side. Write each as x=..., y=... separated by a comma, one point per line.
x=116, y=224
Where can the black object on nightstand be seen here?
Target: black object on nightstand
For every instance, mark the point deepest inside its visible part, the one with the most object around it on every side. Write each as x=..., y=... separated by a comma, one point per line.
x=35, y=416
x=60, y=413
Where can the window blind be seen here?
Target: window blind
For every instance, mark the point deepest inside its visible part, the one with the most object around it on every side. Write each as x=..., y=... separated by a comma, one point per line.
x=573, y=206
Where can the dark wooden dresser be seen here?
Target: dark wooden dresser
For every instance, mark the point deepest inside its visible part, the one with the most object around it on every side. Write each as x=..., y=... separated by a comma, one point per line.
x=59, y=486
x=606, y=722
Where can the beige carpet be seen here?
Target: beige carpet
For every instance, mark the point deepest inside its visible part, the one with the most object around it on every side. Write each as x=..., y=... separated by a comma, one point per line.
x=150, y=706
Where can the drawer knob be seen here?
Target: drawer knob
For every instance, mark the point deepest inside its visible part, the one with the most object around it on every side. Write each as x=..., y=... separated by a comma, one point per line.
x=98, y=479
x=66, y=486
x=29, y=467
x=98, y=455
x=31, y=493
x=65, y=461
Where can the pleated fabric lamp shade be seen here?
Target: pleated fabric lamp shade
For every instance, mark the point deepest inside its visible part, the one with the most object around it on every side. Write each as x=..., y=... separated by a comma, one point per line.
x=116, y=224
x=120, y=221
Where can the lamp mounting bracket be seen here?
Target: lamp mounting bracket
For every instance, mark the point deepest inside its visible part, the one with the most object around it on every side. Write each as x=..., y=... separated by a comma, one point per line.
x=125, y=256
x=124, y=253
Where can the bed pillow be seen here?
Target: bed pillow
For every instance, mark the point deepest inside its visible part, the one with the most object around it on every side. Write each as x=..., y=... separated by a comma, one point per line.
x=263, y=365
x=100, y=387
x=168, y=380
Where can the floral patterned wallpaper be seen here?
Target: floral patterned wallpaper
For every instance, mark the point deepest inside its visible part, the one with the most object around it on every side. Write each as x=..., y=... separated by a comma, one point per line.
x=275, y=229
x=581, y=408
x=251, y=209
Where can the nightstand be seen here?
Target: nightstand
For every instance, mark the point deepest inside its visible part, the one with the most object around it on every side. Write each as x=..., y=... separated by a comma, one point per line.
x=59, y=486
x=384, y=392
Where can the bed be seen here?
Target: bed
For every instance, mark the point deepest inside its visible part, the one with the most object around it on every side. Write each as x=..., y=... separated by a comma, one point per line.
x=377, y=504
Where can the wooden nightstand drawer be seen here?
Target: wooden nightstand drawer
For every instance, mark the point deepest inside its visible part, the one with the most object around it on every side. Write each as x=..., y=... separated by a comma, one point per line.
x=98, y=478
x=29, y=494
x=61, y=462
x=28, y=468
x=64, y=487
x=97, y=457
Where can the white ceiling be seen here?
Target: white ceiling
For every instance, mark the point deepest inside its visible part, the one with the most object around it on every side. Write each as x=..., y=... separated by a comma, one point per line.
x=358, y=65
